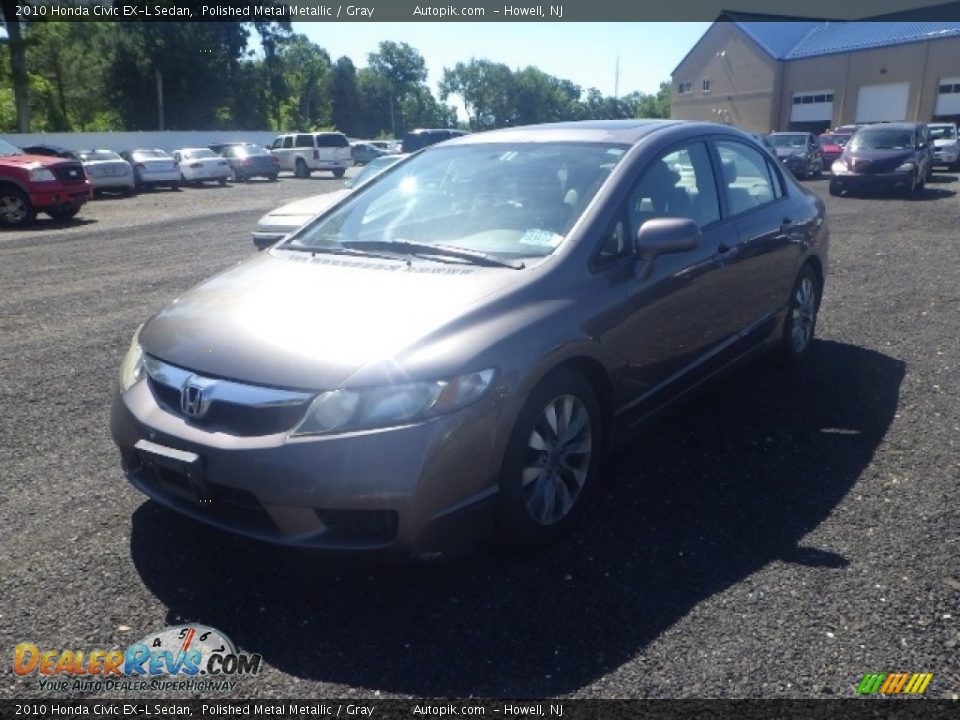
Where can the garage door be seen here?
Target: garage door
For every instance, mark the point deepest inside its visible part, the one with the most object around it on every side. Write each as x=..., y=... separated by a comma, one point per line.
x=812, y=106
x=948, y=97
x=876, y=103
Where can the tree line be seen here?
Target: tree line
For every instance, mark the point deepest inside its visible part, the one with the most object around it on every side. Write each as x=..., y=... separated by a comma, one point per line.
x=102, y=76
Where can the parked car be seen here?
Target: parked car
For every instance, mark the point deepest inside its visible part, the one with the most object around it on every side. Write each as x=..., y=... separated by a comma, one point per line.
x=946, y=150
x=447, y=352
x=277, y=224
x=218, y=148
x=197, y=165
x=848, y=129
x=249, y=161
x=421, y=138
x=799, y=152
x=831, y=147
x=303, y=153
x=364, y=152
x=51, y=151
x=388, y=146
x=153, y=168
x=39, y=183
x=108, y=172
x=888, y=156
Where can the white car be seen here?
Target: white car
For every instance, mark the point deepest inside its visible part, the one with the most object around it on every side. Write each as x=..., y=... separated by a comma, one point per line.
x=277, y=224
x=946, y=147
x=200, y=164
x=107, y=171
x=302, y=153
x=153, y=168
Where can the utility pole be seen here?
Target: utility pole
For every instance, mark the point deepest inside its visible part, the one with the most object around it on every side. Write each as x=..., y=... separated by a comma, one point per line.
x=616, y=80
x=159, y=100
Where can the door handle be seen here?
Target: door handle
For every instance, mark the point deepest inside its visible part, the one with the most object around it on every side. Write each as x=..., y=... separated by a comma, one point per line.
x=787, y=223
x=726, y=252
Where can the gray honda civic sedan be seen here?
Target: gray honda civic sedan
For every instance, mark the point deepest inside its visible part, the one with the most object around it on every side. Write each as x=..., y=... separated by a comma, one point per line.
x=445, y=354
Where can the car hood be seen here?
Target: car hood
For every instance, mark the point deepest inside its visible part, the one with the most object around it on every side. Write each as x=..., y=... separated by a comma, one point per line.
x=944, y=142
x=878, y=153
x=287, y=319
x=313, y=205
x=30, y=161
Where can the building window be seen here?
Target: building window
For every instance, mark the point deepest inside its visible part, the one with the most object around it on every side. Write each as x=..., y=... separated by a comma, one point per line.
x=685, y=87
x=705, y=86
x=950, y=89
x=813, y=98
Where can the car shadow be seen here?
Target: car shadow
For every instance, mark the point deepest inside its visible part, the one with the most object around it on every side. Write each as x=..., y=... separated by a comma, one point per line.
x=732, y=481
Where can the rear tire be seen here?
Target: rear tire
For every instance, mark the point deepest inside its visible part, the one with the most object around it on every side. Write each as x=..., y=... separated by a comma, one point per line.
x=175, y=187
x=551, y=461
x=338, y=172
x=272, y=178
x=222, y=181
x=16, y=209
x=835, y=190
x=300, y=169
x=800, y=325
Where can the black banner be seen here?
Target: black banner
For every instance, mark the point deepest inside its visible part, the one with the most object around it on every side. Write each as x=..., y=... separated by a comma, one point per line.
x=856, y=709
x=474, y=10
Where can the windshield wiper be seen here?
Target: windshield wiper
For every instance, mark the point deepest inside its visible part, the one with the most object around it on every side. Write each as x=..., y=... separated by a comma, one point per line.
x=343, y=250
x=426, y=249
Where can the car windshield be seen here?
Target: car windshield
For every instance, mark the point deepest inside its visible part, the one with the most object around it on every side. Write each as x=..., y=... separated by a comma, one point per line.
x=943, y=132
x=797, y=141
x=249, y=151
x=513, y=200
x=199, y=154
x=150, y=154
x=8, y=149
x=882, y=139
x=371, y=170
x=99, y=155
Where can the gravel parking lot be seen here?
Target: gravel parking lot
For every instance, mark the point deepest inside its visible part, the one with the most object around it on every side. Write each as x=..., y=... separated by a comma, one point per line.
x=781, y=535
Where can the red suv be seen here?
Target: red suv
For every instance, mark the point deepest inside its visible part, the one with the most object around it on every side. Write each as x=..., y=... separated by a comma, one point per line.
x=36, y=183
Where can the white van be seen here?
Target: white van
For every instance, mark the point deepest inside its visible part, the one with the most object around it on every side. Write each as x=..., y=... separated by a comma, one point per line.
x=303, y=153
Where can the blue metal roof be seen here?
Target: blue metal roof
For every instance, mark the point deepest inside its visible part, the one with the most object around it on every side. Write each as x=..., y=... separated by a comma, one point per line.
x=794, y=40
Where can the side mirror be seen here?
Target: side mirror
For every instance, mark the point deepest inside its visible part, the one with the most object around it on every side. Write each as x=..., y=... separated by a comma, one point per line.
x=662, y=236
x=264, y=243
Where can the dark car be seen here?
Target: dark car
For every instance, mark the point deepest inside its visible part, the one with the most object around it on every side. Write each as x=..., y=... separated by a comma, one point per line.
x=51, y=151
x=249, y=161
x=421, y=138
x=446, y=352
x=799, y=152
x=888, y=156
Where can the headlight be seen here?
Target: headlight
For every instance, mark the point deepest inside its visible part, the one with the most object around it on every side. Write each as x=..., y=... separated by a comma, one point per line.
x=42, y=175
x=906, y=167
x=132, y=371
x=339, y=411
x=839, y=167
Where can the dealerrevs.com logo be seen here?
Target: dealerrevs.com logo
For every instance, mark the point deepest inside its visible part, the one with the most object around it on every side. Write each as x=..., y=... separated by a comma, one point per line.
x=894, y=683
x=193, y=658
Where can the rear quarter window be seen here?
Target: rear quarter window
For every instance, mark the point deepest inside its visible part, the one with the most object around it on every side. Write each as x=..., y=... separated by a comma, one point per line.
x=334, y=140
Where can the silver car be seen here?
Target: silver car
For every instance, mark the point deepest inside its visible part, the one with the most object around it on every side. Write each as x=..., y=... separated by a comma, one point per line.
x=446, y=354
x=107, y=171
x=153, y=168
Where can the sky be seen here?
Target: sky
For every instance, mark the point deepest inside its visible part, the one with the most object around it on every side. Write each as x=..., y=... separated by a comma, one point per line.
x=585, y=53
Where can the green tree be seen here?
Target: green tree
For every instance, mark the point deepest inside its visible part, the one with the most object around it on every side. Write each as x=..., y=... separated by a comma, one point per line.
x=403, y=69
x=486, y=90
x=346, y=100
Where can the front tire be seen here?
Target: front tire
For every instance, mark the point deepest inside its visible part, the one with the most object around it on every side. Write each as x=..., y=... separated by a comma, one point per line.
x=64, y=214
x=300, y=169
x=15, y=208
x=551, y=461
x=222, y=181
x=801, y=322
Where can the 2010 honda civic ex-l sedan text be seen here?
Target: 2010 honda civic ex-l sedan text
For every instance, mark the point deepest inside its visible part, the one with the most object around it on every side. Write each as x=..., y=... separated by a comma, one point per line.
x=445, y=354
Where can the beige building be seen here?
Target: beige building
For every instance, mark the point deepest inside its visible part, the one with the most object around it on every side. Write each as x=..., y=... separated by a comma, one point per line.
x=764, y=75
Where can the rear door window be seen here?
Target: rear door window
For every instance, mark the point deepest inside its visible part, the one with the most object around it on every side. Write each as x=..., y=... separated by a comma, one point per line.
x=747, y=179
x=304, y=141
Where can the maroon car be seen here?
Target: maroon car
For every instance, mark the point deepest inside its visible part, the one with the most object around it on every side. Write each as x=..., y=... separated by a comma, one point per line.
x=831, y=147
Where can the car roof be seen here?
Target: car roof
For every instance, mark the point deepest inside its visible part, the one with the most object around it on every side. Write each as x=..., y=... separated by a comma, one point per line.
x=893, y=126
x=624, y=132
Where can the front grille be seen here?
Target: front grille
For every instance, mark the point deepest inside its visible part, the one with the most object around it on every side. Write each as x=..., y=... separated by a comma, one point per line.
x=232, y=418
x=69, y=173
x=872, y=167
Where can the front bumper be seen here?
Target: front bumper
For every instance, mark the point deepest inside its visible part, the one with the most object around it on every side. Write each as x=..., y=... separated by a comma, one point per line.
x=60, y=196
x=108, y=182
x=422, y=490
x=878, y=181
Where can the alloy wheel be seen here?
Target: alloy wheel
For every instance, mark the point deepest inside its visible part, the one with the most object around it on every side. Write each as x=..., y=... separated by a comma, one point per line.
x=803, y=315
x=557, y=459
x=13, y=209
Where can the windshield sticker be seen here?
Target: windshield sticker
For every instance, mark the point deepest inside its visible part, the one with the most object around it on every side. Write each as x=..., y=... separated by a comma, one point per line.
x=541, y=238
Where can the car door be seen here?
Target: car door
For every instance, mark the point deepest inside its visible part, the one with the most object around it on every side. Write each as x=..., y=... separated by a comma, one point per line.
x=762, y=265
x=672, y=322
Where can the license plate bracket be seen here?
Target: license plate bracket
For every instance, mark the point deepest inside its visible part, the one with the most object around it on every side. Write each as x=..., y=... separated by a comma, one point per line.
x=179, y=472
